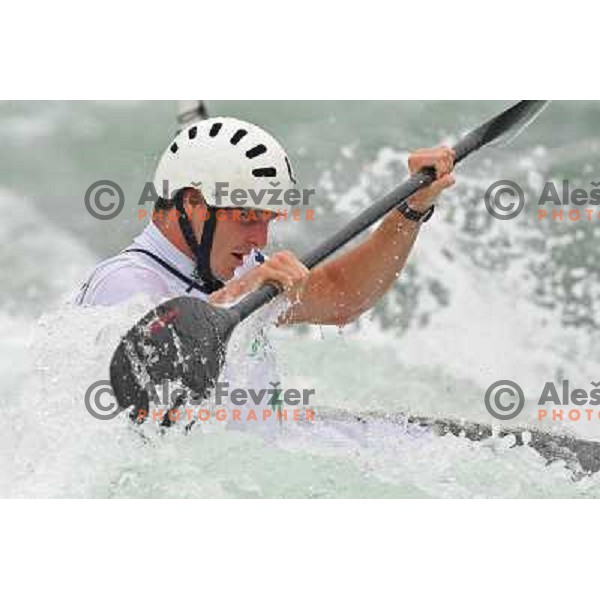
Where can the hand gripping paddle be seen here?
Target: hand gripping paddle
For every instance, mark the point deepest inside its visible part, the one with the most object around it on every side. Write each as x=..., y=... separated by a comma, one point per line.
x=184, y=339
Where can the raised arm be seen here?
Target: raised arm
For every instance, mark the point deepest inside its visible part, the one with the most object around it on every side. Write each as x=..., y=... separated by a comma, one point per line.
x=341, y=289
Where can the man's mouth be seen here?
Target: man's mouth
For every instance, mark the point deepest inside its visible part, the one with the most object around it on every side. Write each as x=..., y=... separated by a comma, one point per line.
x=239, y=256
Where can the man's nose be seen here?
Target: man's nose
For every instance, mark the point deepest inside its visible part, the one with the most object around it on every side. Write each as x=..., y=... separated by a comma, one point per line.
x=259, y=234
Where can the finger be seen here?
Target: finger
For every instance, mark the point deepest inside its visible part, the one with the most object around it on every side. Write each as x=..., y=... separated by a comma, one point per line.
x=441, y=159
x=440, y=168
x=289, y=259
x=446, y=158
x=433, y=190
x=449, y=180
x=288, y=275
x=273, y=270
x=291, y=265
x=447, y=165
x=444, y=163
x=289, y=270
x=274, y=280
x=450, y=159
x=419, y=159
x=441, y=184
x=280, y=280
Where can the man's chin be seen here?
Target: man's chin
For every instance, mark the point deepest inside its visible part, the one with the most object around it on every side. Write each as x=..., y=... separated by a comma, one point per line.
x=225, y=274
x=227, y=271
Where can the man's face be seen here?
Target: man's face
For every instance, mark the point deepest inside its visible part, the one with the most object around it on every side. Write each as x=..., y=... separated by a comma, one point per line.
x=238, y=232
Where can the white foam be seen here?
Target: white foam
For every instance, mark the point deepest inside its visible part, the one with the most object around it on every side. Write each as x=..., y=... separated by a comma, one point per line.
x=490, y=330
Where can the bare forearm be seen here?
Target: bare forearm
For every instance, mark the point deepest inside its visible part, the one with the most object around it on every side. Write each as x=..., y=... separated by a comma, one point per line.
x=381, y=257
x=345, y=287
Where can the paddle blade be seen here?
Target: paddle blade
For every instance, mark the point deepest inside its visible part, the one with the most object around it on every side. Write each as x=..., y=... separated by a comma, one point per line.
x=182, y=341
x=528, y=112
x=502, y=128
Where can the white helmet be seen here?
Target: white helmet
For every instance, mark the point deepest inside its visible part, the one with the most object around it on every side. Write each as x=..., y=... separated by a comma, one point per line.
x=226, y=151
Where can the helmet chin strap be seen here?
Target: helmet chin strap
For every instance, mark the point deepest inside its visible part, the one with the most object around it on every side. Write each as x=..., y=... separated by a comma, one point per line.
x=202, y=250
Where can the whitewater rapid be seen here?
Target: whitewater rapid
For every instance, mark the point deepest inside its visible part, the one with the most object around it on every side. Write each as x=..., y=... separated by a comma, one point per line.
x=479, y=302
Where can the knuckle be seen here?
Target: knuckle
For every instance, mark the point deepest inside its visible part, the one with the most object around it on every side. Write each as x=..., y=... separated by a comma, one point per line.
x=284, y=255
x=416, y=154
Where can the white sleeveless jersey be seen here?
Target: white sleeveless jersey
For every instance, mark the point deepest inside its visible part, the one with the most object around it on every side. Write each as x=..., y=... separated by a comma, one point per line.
x=251, y=358
x=120, y=278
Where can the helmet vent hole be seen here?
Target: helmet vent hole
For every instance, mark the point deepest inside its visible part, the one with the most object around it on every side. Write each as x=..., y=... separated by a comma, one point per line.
x=214, y=130
x=174, y=147
x=265, y=172
x=192, y=132
x=256, y=151
x=238, y=135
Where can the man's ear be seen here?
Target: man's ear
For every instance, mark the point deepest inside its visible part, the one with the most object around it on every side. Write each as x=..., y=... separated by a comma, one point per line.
x=193, y=197
x=194, y=204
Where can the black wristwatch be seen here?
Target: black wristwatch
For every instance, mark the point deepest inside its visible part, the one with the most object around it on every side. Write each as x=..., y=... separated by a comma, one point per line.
x=413, y=215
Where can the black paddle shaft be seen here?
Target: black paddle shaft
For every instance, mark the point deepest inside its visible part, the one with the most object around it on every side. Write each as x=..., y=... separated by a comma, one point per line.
x=185, y=339
x=517, y=115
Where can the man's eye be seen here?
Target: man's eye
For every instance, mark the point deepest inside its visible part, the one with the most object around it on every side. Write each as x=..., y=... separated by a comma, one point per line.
x=254, y=216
